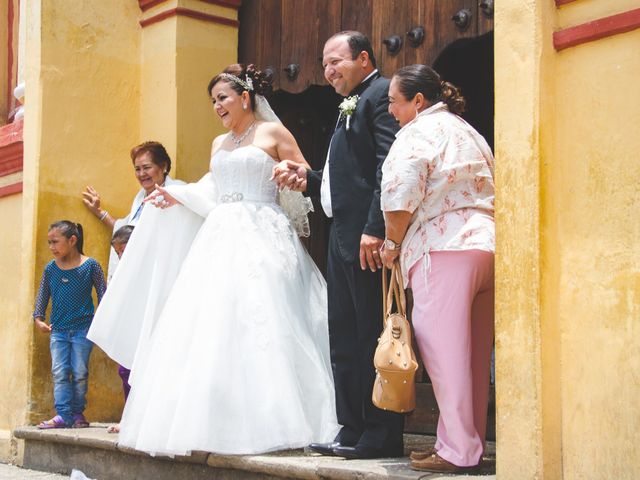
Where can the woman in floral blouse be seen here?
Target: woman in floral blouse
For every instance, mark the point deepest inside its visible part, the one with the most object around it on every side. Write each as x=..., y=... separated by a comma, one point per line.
x=438, y=197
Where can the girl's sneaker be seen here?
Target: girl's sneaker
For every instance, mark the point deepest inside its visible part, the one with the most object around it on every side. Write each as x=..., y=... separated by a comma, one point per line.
x=55, y=422
x=79, y=421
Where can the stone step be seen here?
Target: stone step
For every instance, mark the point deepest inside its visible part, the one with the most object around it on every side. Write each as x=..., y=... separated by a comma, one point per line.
x=97, y=453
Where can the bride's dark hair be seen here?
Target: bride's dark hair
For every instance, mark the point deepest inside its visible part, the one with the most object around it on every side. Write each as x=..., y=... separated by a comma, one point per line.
x=261, y=84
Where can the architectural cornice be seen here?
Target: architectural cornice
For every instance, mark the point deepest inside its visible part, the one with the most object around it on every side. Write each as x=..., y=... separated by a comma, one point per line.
x=596, y=29
x=147, y=4
x=187, y=12
x=11, y=156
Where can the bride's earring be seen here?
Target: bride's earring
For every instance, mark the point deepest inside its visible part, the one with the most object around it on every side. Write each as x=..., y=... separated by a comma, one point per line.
x=244, y=106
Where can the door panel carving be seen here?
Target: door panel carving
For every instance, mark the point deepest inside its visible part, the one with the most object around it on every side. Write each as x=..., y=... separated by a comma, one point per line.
x=288, y=35
x=305, y=26
x=392, y=17
x=259, y=39
x=357, y=16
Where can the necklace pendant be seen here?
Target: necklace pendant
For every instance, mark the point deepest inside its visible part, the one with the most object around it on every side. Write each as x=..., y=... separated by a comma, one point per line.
x=237, y=140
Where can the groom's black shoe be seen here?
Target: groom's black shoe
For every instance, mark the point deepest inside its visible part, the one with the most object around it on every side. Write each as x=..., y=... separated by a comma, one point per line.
x=325, y=448
x=363, y=451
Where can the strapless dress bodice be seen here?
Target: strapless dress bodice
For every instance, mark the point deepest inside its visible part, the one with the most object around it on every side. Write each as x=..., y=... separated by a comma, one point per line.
x=243, y=174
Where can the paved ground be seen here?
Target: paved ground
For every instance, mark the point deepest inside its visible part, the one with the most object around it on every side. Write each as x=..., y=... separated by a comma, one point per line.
x=11, y=472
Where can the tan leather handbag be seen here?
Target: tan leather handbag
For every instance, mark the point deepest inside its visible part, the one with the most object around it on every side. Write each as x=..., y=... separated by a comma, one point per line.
x=395, y=363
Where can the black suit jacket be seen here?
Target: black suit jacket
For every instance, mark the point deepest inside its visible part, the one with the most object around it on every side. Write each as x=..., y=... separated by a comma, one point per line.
x=356, y=158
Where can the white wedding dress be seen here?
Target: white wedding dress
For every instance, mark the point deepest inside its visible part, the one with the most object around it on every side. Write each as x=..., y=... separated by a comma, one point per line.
x=223, y=322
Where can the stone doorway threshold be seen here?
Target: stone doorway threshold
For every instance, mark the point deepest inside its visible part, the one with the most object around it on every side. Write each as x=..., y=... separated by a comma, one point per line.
x=97, y=453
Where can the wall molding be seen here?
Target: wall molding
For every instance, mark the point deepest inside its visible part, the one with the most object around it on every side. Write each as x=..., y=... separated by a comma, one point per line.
x=11, y=189
x=597, y=29
x=11, y=156
x=147, y=4
x=11, y=159
x=186, y=12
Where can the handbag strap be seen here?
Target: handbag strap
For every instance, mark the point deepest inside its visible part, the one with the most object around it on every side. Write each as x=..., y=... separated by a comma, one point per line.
x=393, y=291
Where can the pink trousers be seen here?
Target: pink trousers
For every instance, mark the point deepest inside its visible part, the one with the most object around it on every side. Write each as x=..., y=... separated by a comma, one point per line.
x=453, y=324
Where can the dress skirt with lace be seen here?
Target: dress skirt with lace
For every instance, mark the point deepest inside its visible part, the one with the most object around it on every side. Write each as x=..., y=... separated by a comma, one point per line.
x=228, y=340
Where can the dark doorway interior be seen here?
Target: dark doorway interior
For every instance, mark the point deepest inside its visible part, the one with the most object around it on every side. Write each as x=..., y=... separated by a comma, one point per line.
x=468, y=64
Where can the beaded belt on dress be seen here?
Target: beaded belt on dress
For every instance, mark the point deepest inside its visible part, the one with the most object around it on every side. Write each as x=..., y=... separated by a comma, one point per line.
x=241, y=197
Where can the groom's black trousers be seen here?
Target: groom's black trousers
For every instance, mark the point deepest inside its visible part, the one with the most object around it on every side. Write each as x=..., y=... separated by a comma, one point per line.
x=355, y=323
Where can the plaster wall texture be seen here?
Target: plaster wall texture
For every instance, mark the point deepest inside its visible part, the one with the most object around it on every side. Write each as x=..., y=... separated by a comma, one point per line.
x=178, y=58
x=592, y=199
x=568, y=260
x=15, y=328
x=81, y=69
x=518, y=365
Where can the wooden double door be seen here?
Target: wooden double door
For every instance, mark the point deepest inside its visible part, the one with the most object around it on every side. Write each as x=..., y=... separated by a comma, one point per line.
x=286, y=38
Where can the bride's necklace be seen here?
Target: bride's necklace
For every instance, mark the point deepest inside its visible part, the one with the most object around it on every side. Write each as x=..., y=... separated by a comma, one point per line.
x=237, y=140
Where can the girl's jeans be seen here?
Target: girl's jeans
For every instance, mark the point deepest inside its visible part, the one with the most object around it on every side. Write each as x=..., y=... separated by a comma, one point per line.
x=70, y=353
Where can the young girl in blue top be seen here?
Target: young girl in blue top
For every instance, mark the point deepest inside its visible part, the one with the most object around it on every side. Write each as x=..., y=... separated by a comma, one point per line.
x=68, y=280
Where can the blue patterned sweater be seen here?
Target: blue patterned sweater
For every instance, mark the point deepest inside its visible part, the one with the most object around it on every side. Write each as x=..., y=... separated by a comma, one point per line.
x=70, y=293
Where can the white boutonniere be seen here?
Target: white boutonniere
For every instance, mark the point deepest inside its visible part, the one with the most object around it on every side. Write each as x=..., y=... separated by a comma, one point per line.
x=347, y=107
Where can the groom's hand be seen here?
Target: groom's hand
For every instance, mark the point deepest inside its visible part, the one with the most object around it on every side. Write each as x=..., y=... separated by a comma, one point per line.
x=370, y=252
x=288, y=174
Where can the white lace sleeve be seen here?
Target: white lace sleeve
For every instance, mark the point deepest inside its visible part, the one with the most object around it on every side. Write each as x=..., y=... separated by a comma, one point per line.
x=296, y=207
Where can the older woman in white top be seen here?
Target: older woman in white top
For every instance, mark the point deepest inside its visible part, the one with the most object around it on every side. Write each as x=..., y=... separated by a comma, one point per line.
x=152, y=165
x=438, y=199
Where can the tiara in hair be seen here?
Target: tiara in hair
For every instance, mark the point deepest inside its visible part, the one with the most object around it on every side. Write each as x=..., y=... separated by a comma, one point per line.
x=247, y=85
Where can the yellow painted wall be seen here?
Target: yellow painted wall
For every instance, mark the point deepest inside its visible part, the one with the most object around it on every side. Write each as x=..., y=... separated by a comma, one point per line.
x=158, y=96
x=15, y=328
x=82, y=76
x=568, y=260
x=203, y=51
x=593, y=231
x=179, y=57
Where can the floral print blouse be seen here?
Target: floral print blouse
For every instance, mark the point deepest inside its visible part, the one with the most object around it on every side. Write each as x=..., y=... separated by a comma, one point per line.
x=441, y=170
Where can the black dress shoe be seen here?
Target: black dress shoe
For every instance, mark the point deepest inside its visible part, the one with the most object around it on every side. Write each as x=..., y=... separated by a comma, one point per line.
x=363, y=451
x=325, y=448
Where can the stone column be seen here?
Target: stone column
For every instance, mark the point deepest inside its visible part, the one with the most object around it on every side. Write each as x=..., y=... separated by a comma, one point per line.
x=183, y=45
x=527, y=385
x=81, y=72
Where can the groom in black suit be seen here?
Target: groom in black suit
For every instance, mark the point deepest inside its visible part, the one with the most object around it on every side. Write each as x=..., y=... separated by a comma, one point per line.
x=349, y=188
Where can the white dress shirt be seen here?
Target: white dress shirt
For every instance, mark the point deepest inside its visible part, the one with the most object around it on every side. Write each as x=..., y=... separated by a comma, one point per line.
x=325, y=187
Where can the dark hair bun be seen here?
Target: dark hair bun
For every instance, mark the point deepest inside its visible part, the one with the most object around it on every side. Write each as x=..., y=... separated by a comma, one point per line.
x=261, y=82
x=453, y=98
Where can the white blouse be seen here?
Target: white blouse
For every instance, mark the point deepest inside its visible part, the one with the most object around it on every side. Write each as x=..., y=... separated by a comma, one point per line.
x=440, y=169
x=132, y=219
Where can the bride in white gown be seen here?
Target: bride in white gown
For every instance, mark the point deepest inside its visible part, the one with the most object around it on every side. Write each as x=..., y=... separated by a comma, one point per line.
x=223, y=321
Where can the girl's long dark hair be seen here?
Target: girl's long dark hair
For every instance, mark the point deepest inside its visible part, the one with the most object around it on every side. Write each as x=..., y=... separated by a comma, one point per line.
x=69, y=229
